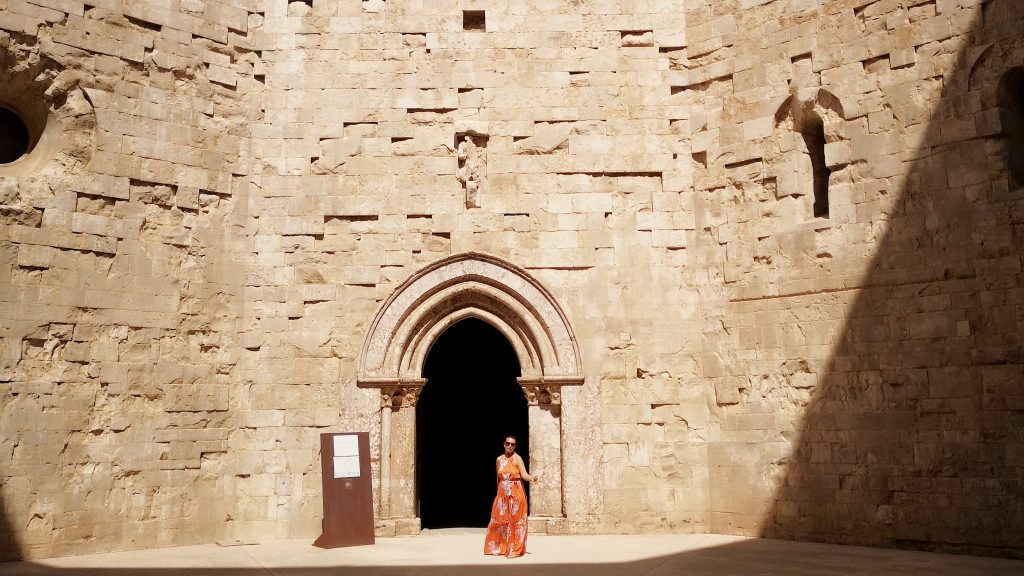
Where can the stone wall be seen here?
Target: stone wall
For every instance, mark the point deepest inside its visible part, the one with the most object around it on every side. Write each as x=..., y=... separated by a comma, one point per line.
x=397, y=134
x=122, y=279
x=192, y=267
x=866, y=365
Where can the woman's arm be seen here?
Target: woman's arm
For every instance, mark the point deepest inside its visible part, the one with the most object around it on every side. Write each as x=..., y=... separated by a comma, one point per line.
x=522, y=470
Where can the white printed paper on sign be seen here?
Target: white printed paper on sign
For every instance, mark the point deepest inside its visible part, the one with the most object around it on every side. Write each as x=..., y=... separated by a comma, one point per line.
x=346, y=456
x=346, y=466
x=346, y=445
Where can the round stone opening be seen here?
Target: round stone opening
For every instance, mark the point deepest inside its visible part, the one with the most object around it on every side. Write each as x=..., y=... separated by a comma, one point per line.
x=15, y=138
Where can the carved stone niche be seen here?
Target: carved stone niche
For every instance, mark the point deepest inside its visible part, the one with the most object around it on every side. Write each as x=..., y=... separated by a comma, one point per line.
x=471, y=151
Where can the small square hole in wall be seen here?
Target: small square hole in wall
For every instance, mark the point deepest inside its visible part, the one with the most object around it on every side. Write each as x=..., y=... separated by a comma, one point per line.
x=474, y=20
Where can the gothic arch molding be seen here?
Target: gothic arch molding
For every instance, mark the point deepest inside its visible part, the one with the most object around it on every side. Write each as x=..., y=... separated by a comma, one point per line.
x=457, y=287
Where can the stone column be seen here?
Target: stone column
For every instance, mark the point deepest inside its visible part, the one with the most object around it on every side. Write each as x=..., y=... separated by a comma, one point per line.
x=545, y=413
x=398, y=456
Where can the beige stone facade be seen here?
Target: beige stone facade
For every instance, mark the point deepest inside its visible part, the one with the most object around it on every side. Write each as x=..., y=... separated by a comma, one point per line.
x=759, y=260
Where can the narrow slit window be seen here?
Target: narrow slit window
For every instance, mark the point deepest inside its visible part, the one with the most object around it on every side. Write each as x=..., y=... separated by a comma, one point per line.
x=1011, y=117
x=814, y=139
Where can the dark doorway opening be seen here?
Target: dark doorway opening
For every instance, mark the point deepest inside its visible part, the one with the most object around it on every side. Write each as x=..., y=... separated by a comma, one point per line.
x=470, y=402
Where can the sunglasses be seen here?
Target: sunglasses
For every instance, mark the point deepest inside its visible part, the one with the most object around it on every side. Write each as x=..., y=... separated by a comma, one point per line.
x=510, y=443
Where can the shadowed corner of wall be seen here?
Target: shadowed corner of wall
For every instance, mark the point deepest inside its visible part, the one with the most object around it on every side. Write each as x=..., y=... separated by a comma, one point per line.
x=913, y=438
x=10, y=547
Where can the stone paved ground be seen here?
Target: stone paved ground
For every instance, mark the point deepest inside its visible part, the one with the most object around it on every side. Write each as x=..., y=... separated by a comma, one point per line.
x=459, y=554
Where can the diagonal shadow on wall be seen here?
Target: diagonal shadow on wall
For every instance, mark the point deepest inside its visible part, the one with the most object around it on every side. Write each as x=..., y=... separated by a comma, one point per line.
x=914, y=437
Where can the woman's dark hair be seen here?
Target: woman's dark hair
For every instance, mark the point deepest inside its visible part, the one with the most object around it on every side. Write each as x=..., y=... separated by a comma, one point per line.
x=512, y=436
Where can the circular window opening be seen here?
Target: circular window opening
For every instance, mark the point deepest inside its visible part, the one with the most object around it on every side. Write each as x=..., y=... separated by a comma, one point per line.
x=14, y=136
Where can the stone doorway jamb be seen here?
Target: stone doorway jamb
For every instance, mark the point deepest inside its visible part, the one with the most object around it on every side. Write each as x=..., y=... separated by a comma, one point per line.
x=399, y=338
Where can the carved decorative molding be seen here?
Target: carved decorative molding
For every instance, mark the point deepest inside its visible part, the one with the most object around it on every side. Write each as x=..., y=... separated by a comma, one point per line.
x=464, y=286
x=400, y=396
x=543, y=395
x=471, y=151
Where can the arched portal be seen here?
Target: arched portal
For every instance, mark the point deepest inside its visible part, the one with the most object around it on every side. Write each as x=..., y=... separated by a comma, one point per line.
x=470, y=402
x=393, y=356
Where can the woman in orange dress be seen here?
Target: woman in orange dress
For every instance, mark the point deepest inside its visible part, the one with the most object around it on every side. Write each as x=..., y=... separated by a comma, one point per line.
x=506, y=532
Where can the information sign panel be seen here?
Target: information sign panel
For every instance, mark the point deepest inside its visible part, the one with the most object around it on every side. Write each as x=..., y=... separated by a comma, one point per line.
x=346, y=456
x=348, y=502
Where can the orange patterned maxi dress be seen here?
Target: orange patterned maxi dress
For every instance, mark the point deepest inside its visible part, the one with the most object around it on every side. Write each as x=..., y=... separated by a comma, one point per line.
x=506, y=532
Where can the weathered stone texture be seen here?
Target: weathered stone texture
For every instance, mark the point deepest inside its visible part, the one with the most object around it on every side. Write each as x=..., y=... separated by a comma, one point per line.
x=119, y=303
x=190, y=273
x=848, y=354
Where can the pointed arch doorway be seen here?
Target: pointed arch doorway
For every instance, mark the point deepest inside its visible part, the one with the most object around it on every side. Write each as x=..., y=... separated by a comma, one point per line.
x=396, y=348
x=470, y=401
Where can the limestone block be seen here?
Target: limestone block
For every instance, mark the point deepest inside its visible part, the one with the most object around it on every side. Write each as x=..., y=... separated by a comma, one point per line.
x=59, y=239
x=840, y=153
x=592, y=203
x=626, y=503
x=261, y=420
x=726, y=391
x=99, y=225
x=222, y=75
x=712, y=365
x=759, y=128
x=35, y=256
x=433, y=141
x=417, y=98
x=590, y=144
x=360, y=275
x=547, y=138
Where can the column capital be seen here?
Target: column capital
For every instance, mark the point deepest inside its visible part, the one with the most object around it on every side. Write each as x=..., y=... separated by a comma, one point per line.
x=542, y=394
x=400, y=396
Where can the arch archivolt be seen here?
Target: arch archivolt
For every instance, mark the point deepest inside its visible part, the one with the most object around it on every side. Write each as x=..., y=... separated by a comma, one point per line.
x=458, y=287
x=426, y=334
x=470, y=285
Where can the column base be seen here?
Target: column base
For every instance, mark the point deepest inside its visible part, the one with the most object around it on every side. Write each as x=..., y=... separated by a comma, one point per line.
x=543, y=524
x=388, y=527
